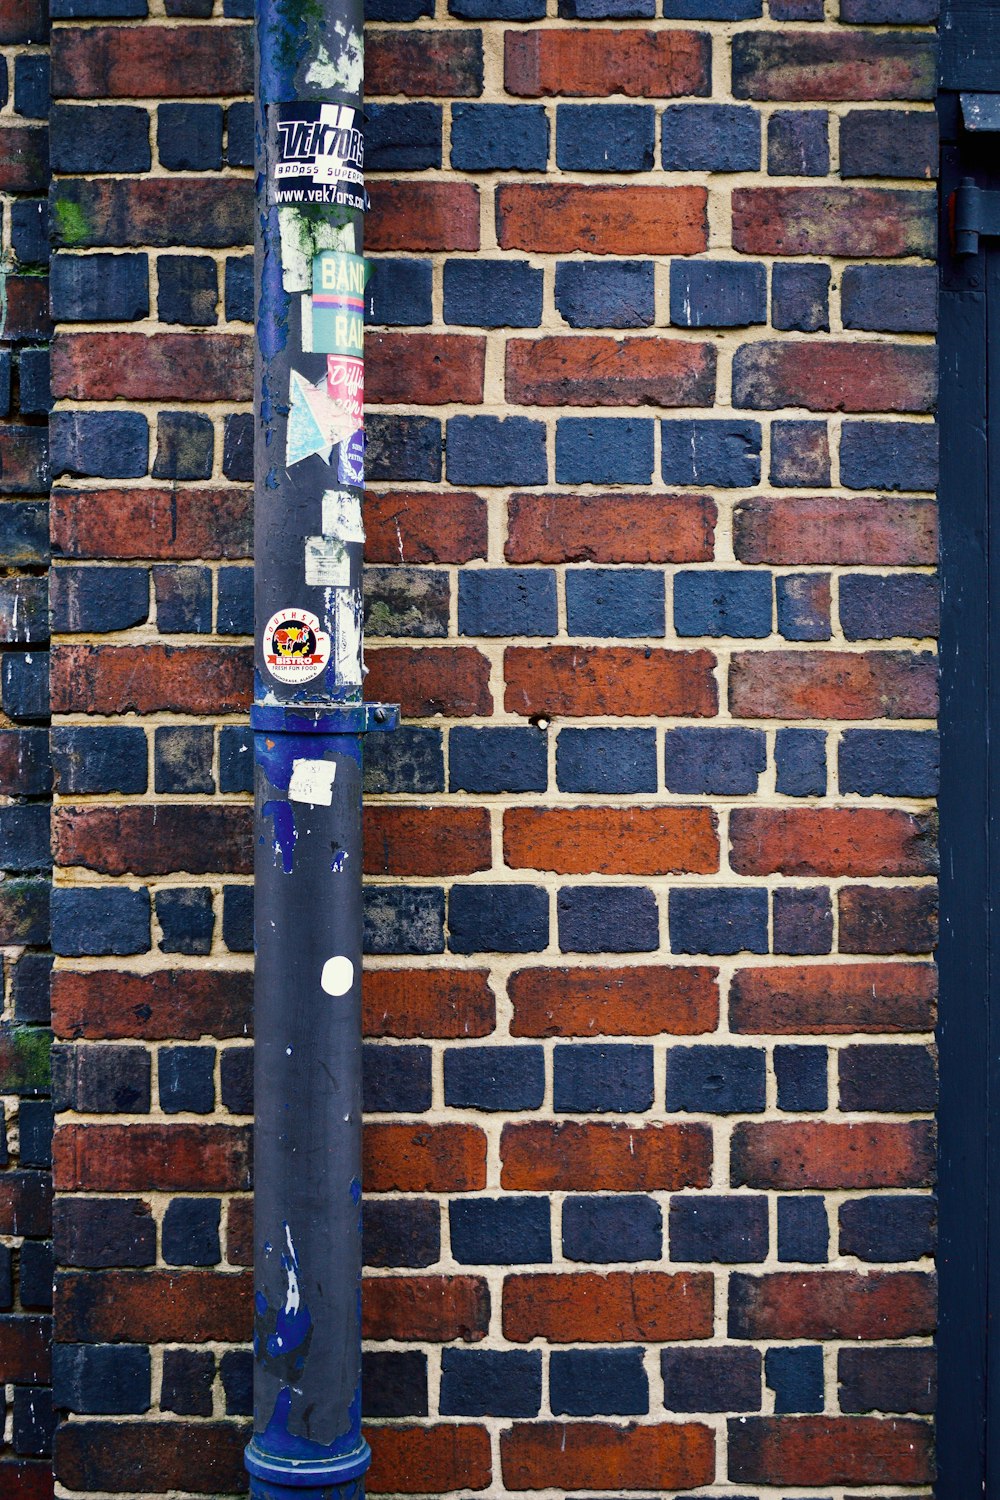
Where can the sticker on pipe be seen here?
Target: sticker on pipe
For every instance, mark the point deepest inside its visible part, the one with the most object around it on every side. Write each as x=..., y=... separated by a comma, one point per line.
x=320, y=155
x=296, y=649
x=338, y=303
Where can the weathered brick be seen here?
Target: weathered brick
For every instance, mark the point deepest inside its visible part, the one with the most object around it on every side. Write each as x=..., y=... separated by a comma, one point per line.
x=619, y=1307
x=426, y=840
x=887, y=1380
x=24, y=459
x=416, y=1460
x=856, y=221
x=424, y=1158
x=140, y=211
x=831, y=841
x=832, y=376
x=641, y=1001
x=135, y=1158
x=428, y=1003
x=206, y=1456
x=610, y=528
x=830, y=1450
x=154, y=840
x=452, y=680
x=156, y=1306
x=879, y=533
x=574, y=680
x=550, y=217
x=142, y=679
x=24, y=159
x=107, y=62
x=832, y=1305
x=609, y=372
x=24, y=1349
x=25, y=1203
x=821, y=1154
x=832, y=999
x=432, y=368
x=833, y=685
x=814, y=65
x=446, y=64
x=588, y=1455
x=164, y=366
x=591, y=61
x=604, y=1157
x=181, y=1004
x=168, y=524
x=887, y=919
x=423, y=216
x=439, y=1309
x=414, y=526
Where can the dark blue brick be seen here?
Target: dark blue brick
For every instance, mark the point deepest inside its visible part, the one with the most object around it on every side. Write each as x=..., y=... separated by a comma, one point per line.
x=31, y=86
x=800, y=454
x=237, y=446
x=34, y=1127
x=395, y=10
x=401, y=1232
x=186, y=1384
x=796, y=10
x=236, y=1080
x=889, y=762
x=491, y=1383
x=99, y=444
x=711, y=138
x=611, y=919
x=491, y=450
x=889, y=143
x=802, y=1077
x=396, y=1080
x=717, y=294
x=606, y=294
x=24, y=685
x=802, y=602
x=394, y=1383
x=186, y=919
x=29, y=232
x=712, y=10
x=606, y=10
x=622, y=1227
x=876, y=608
x=239, y=288
x=602, y=1078
x=24, y=837
x=606, y=760
x=889, y=456
x=109, y=759
x=234, y=611
x=189, y=137
x=604, y=137
x=716, y=1080
x=802, y=920
x=399, y=293
x=101, y=1379
x=35, y=1274
x=889, y=12
x=238, y=10
x=29, y=751
x=500, y=1231
x=798, y=143
x=183, y=599
x=497, y=10
x=6, y=1276
x=66, y=10
x=800, y=762
x=24, y=533
x=499, y=137
x=236, y=1369
x=99, y=288
x=492, y=294
x=35, y=396
x=99, y=920
x=403, y=919
x=888, y=1079
x=402, y=137
x=402, y=448
x=736, y=603
x=494, y=1078
x=408, y=760
x=615, y=602
x=604, y=450
x=727, y=762
x=796, y=1378
x=99, y=138
x=30, y=988
x=235, y=759
x=191, y=1232
x=889, y=299
x=598, y=1382
x=101, y=1080
x=188, y=290
x=98, y=599
x=497, y=760
x=888, y=1227
x=803, y=1230
x=237, y=918
x=34, y=1420
x=732, y=1229
x=187, y=1080
x=498, y=919
x=5, y=372
x=800, y=297
x=239, y=135
x=711, y=1379
x=507, y=601
x=719, y=920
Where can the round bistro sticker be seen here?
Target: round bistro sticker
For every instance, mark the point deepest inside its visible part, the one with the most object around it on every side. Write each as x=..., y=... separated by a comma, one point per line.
x=295, y=649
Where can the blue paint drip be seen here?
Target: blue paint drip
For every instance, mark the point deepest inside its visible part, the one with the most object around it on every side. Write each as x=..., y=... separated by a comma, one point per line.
x=283, y=817
x=272, y=310
x=355, y=1190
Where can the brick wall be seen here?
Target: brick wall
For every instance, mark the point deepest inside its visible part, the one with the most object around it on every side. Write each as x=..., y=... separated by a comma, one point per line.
x=650, y=905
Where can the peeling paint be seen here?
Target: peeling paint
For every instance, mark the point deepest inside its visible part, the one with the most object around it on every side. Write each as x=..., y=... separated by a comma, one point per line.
x=345, y=72
x=312, y=781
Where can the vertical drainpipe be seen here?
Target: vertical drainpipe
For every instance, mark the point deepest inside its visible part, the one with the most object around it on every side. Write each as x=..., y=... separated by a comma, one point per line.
x=308, y=720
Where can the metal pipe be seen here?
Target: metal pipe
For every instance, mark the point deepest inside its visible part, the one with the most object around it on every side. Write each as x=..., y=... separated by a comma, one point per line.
x=308, y=720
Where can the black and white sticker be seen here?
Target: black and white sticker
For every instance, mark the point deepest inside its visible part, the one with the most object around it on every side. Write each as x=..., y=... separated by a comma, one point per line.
x=320, y=155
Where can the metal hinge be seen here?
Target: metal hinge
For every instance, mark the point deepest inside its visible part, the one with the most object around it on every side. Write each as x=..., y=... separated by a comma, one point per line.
x=977, y=212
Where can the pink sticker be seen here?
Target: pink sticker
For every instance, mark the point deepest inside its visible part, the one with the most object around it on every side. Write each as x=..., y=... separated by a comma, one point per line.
x=345, y=386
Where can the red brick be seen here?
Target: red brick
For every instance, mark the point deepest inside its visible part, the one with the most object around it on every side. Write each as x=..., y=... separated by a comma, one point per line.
x=638, y=1001
x=413, y=526
x=452, y=680
x=831, y=841
x=143, y=679
x=612, y=840
x=812, y=65
x=438, y=64
x=547, y=1156
x=591, y=371
x=169, y=1004
x=833, y=685
x=790, y=1154
x=143, y=210
x=152, y=62
x=169, y=524
x=24, y=1480
x=26, y=1203
x=860, y=221
x=204, y=1458
x=154, y=839
x=560, y=217
x=832, y=1305
x=423, y=216
x=611, y=680
x=410, y=840
x=429, y=1460
x=887, y=919
x=180, y=1158
x=424, y=1158
x=594, y=1456
x=437, y=1309
x=610, y=528
x=27, y=296
x=428, y=368
x=24, y=459
x=833, y=999
x=152, y=1307
x=154, y=367
x=590, y=61
x=239, y=1233
x=24, y=753
x=428, y=1003
x=23, y=21
x=830, y=1450
x=588, y=1307
x=875, y=533
x=25, y=1357
x=835, y=376
x=24, y=164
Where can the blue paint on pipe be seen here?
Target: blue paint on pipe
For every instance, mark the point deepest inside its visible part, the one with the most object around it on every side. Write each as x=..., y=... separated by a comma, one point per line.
x=283, y=819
